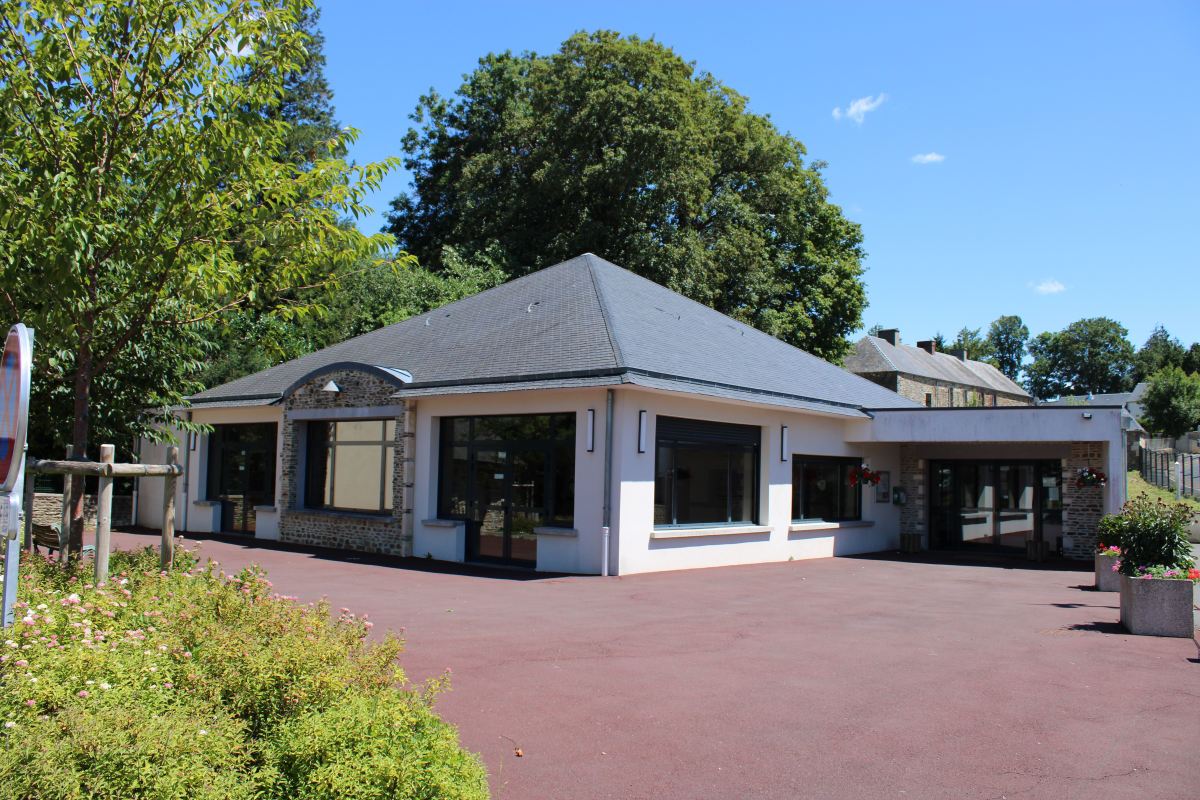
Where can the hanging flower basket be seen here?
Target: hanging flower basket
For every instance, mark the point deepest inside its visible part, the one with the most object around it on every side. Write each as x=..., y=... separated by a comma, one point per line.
x=1090, y=476
x=864, y=476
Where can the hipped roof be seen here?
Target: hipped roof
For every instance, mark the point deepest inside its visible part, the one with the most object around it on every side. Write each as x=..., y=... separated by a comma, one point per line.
x=584, y=322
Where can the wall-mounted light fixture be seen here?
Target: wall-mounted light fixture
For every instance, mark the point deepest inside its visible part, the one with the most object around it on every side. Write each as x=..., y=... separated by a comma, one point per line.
x=783, y=445
x=641, y=431
x=1087, y=415
x=331, y=387
x=591, y=430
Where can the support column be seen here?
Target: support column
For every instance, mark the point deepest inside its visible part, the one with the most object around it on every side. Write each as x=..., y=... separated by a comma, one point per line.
x=1083, y=506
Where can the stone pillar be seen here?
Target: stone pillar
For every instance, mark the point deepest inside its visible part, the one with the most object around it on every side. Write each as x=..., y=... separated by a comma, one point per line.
x=912, y=481
x=1082, y=506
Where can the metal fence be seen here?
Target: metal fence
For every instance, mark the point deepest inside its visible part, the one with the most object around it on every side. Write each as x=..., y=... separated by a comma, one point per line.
x=1158, y=468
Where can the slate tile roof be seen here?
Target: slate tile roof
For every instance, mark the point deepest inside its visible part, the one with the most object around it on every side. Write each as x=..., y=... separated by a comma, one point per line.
x=873, y=355
x=574, y=324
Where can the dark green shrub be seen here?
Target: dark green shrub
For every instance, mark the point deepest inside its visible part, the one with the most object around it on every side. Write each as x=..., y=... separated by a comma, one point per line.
x=1150, y=533
x=196, y=684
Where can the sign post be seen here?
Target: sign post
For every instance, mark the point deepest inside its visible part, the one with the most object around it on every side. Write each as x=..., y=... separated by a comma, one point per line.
x=15, y=366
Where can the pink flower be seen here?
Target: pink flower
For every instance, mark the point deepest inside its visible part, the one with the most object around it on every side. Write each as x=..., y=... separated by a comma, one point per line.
x=82, y=694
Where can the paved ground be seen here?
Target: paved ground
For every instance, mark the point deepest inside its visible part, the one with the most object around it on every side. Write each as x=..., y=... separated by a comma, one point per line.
x=848, y=677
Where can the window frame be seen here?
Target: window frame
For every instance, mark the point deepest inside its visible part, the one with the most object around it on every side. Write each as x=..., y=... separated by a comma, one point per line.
x=799, y=461
x=698, y=440
x=549, y=446
x=315, y=450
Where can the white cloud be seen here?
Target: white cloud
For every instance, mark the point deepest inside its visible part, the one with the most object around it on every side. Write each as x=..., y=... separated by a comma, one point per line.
x=1048, y=286
x=928, y=158
x=859, y=108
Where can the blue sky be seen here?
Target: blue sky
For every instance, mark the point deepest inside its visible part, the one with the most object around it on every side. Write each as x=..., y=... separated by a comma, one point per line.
x=1061, y=178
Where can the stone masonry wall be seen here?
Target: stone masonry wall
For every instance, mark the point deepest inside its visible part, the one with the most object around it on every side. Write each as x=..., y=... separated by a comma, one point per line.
x=47, y=509
x=915, y=388
x=350, y=531
x=912, y=481
x=1082, y=507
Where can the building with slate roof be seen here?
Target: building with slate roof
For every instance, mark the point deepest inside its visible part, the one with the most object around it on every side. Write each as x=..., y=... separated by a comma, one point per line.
x=937, y=380
x=583, y=419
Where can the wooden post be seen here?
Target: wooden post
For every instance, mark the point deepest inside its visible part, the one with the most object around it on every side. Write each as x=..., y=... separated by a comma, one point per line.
x=64, y=532
x=29, y=497
x=167, y=550
x=104, y=517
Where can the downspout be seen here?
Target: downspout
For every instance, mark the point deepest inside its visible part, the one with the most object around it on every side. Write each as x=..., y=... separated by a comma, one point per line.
x=187, y=474
x=608, y=424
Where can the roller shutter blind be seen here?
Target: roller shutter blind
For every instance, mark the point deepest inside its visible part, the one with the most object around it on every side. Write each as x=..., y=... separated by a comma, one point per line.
x=698, y=430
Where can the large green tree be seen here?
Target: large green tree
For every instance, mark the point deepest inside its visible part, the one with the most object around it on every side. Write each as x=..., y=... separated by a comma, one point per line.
x=978, y=348
x=1007, y=338
x=1091, y=356
x=617, y=146
x=141, y=190
x=1161, y=350
x=1172, y=402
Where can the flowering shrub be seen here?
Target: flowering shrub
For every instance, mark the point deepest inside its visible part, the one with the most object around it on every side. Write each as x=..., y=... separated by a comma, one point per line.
x=1150, y=533
x=1174, y=573
x=864, y=476
x=1090, y=476
x=194, y=683
x=1108, y=550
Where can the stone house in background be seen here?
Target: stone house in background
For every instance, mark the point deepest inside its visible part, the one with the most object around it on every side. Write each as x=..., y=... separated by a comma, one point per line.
x=583, y=413
x=933, y=379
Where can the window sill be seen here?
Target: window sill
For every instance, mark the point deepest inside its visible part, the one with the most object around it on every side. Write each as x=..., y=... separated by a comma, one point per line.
x=320, y=512
x=716, y=530
x=556, y=531
x=821, y=525
x=265, y=509
x=443, y=523
x=206, y=503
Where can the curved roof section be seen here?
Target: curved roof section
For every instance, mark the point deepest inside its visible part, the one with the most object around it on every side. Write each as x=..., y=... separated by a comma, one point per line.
x=584, y=318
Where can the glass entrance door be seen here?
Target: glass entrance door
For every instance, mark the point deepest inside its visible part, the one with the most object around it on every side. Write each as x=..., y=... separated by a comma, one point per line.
x=241, y=475
x=504, y=506
x=994, y=505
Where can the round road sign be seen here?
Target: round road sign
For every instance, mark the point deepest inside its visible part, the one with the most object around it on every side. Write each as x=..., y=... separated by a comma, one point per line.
x=14, y=403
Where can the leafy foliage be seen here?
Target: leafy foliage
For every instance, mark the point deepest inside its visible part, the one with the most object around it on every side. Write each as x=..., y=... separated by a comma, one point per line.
x=1171, y=403
x=140, y=185
x=1006, y=339
x=1162, y=350
x=193, y=683
x=367, y=299
x=977, y=347
x=1091, y=356
x=1150, y=533
x=615, y=145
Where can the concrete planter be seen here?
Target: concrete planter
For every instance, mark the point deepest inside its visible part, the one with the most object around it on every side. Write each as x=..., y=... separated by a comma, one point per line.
x=1194, y=532
x=1158, y=607
x=1106, y=579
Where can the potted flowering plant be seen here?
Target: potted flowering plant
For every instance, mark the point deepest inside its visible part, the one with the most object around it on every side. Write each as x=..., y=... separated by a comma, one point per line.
x=1108, y=558
x=865, y=476
x=1158, y=575
x=1089, y=476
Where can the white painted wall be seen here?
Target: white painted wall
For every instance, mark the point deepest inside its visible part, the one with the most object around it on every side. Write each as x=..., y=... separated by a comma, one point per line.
x=556, y=553
x=808, y=434
x=201, y=519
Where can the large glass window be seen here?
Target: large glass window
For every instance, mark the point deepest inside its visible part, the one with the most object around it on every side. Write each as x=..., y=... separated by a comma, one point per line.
x=821, y=489
x=241, y=472
x=706, y=473
x=350, y=465
x=538, y=490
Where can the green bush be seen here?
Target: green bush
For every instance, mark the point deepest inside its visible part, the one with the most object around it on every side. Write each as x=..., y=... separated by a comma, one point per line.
x=196, y=684
x=1150, y=533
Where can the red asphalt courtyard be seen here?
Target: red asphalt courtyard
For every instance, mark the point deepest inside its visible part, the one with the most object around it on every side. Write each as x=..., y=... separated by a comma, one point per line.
x=834, y=678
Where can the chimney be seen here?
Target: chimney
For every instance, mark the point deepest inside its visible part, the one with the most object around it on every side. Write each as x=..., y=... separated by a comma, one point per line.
x=959, y=352
x=927, y=346
x=890, y=335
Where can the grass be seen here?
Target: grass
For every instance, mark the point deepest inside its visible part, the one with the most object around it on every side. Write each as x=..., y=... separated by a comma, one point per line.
x=1137, y=485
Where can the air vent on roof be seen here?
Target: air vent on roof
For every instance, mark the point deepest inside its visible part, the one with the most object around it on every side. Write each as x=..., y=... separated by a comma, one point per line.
x=531, y=305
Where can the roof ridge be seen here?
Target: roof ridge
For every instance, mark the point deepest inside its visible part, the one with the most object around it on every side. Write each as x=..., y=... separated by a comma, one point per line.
x=874, y=343
x=604, y=315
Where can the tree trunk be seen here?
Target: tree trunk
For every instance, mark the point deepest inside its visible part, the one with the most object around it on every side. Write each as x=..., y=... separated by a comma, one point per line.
x=83, y=391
